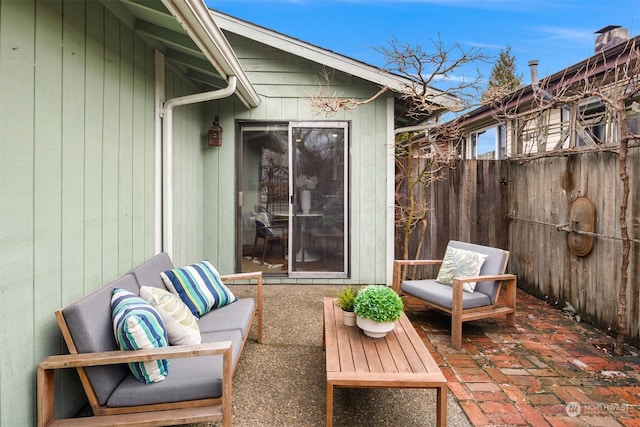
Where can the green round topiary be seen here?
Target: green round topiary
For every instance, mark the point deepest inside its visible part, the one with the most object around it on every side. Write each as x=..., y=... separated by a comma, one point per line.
x=378, y=303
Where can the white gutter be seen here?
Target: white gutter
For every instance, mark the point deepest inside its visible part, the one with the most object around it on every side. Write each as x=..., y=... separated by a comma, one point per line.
x=194, y=17
x=167, y=149
x=416, y=128
x=158, y=63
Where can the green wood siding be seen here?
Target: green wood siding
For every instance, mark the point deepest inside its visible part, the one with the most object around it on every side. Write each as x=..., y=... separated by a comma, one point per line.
x=189, y=143
x=76, y=176
x=286, y=83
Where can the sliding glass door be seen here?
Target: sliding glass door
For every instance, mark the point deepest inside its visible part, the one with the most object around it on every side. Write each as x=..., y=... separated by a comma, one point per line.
x=318, y=182
x=293, y=198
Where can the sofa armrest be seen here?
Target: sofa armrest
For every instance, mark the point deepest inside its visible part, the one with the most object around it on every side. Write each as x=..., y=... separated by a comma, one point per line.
x=47, y=366
x=117, y=357
x=257, y=276
x=398, y=274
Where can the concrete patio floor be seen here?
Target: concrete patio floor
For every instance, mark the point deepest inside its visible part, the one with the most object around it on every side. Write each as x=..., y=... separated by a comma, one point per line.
x=547, y=371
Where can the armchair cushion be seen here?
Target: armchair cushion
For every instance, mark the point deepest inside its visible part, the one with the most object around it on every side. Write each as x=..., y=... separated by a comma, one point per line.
x=430, y=290
x=181, y=325
x=137, y=325
x=199, y=287
x=460, y=263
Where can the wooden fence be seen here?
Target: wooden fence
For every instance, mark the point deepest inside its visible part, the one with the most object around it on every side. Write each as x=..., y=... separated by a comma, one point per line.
x=521, y=206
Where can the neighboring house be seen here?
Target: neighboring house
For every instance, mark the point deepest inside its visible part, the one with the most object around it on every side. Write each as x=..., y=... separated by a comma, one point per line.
x=105, y=108
x=504, y=129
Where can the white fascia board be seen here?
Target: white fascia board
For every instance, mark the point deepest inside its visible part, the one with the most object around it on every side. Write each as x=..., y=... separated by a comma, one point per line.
x=194, y=17
x=331, y=59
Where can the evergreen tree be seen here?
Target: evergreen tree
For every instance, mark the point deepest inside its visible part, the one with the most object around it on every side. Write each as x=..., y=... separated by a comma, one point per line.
x=503, y=77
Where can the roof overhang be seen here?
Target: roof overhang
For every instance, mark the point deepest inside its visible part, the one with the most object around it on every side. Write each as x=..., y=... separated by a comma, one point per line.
x=328, y=58
x=593, y=67
x=190, y=39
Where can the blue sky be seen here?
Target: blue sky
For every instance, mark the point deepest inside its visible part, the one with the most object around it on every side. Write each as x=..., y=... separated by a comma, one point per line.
x=558, y=33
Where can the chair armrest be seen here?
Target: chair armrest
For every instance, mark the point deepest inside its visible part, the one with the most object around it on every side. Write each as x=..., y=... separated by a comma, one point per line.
x=417, y=261
x=496, y=277
x=399, y=263
x=257, y=275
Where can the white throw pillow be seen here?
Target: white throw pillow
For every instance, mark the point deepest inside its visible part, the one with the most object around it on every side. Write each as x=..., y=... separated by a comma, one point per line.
x=181, y=325
x=460, y=263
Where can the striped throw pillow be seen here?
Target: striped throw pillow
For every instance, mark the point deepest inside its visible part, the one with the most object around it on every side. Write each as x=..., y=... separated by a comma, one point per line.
x=199, y=287
x=137, y=325
x=181, y=325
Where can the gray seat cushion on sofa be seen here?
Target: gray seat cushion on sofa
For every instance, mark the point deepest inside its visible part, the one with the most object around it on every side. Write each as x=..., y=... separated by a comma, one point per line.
x=188, y=379
x=89, y=321
x=148, y=273
x=234, y=316
x=440, y=294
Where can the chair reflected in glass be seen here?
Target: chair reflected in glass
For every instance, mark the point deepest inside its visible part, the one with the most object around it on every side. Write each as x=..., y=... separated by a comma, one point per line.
x=269, y=233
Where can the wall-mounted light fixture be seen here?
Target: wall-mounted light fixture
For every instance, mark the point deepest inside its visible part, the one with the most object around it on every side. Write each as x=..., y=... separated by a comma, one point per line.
x=215, y=134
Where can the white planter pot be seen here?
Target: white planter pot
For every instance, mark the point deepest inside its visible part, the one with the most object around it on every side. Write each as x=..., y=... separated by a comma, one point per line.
x=374, y=329
x=348, y=318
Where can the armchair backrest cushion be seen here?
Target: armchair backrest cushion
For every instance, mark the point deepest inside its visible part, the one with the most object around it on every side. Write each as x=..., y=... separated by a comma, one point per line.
x=263, y=229
x=90, y=325
x=263, y=224
x=496, y=263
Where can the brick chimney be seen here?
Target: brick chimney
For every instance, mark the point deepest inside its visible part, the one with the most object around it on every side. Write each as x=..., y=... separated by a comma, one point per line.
x=610, y=36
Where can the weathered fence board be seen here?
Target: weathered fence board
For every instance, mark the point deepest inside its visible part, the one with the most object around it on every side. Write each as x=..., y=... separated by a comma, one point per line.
x=521, y=206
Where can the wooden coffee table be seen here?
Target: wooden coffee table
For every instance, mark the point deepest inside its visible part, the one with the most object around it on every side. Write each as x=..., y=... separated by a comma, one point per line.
x=399, y=360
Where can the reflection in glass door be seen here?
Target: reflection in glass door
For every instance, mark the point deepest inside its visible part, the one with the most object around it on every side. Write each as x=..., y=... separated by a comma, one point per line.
x=292, y=199
x=318, y=172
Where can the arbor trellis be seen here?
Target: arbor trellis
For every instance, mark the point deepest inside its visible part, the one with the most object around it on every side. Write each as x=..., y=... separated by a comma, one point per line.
x=615, y=85
x=425, y=69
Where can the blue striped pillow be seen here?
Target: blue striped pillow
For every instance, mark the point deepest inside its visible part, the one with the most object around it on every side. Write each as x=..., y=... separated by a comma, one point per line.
x=199, y=287
x=137, y=325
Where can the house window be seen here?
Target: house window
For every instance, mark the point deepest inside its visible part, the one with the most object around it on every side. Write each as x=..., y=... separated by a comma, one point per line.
x=591, y=125
x=488, y=144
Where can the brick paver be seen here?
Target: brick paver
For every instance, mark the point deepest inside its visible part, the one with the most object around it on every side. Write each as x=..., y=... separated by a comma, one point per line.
x=549, y=370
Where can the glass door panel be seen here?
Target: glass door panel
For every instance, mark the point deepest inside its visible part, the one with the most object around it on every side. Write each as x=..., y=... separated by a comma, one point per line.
x=318, y=184
x=292, y=199
x=263, y=193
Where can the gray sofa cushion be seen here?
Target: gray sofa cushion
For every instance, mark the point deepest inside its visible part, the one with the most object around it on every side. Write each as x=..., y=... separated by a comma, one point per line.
x=234, y=316
x=189, y=378
x=148, y=273
x=495, y=263
x=440, y=294
x=89, y=321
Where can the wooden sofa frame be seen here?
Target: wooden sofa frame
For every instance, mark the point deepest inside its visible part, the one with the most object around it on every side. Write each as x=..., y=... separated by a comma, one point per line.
x=175, y=413
x=458, y=314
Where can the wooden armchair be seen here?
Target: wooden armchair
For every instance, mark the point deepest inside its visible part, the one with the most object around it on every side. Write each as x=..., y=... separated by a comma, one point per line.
x=463, y=306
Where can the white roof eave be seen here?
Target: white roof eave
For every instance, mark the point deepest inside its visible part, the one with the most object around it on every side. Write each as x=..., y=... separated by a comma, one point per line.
x=194, y=17
x=330, y=59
